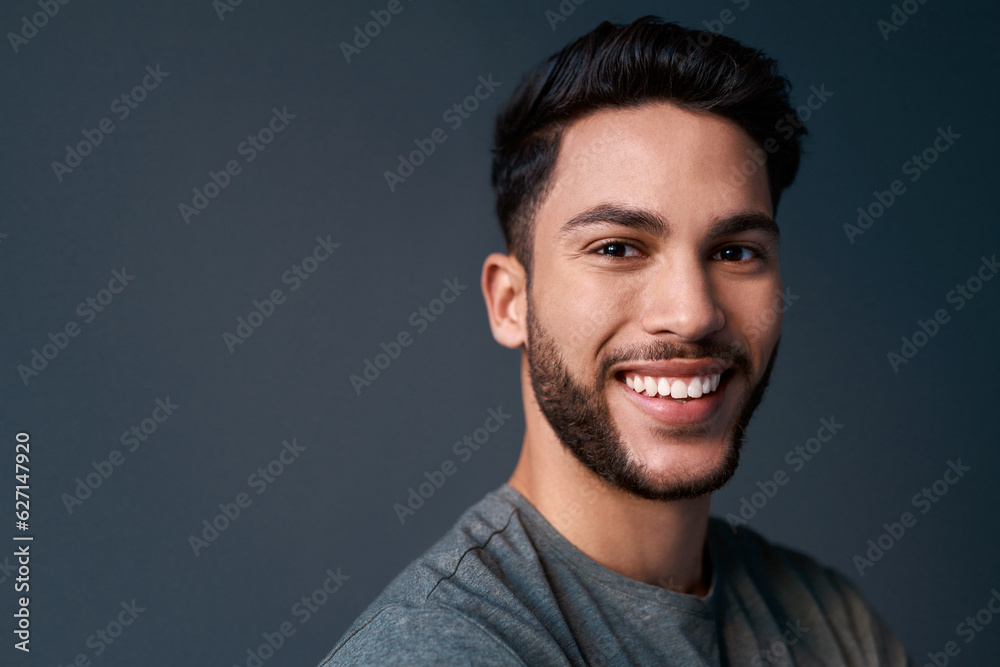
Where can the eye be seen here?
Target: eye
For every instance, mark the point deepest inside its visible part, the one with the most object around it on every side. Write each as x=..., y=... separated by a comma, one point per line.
x=737, y=253
x=618, y=249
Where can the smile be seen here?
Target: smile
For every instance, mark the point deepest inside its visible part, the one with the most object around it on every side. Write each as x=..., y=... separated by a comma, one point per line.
x=673, y=394
x=696, y=387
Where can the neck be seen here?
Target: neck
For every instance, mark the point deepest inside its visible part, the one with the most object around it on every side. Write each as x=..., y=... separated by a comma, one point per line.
x=656, y=542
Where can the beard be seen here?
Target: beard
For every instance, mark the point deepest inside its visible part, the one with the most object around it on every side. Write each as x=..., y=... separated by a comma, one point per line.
x=581, y=417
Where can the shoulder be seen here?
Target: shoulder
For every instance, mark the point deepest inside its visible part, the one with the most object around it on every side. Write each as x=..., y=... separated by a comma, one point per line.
x=792, y=586
x=749, y=557
x=428, y=634
x=749, y=553
x=464, y=596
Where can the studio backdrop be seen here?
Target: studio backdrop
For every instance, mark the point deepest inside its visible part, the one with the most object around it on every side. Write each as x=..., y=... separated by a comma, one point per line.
x=246, y=365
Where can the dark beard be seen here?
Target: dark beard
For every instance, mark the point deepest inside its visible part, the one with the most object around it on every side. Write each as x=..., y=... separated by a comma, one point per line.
x=581, y=417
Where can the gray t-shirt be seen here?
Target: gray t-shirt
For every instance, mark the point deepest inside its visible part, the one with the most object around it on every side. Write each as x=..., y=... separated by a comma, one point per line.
x=503, y=587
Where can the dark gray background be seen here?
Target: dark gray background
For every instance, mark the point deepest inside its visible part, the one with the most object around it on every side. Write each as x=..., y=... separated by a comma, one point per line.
x=333, y=507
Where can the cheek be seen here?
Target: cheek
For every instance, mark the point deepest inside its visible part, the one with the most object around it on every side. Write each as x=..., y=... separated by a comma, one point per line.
x=582, y=313
x=757, y=317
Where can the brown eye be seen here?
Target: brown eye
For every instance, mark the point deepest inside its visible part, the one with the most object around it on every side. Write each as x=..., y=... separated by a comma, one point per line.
x=618, y=249
x=736, y=253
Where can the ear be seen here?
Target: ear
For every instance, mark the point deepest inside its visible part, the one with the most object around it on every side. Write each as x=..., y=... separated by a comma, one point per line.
x=504, y=289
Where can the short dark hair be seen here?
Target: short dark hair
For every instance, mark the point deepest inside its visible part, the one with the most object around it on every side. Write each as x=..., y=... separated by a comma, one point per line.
x=627, y=66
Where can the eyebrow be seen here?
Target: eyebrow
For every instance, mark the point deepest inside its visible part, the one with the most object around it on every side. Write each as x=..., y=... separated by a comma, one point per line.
x=652, y=223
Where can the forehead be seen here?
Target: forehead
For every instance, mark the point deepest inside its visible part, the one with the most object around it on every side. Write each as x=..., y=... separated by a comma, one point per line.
x=683, y=165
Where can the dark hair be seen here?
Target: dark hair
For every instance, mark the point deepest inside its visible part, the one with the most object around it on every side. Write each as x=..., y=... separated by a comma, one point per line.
x=620, y=66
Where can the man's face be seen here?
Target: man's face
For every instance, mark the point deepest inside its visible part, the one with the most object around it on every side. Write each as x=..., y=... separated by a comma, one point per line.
x=649, y=337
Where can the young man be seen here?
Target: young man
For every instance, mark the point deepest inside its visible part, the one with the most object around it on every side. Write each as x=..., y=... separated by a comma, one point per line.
x=637, y=173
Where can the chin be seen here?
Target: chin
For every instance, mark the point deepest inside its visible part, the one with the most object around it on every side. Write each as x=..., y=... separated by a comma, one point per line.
x=695, y=463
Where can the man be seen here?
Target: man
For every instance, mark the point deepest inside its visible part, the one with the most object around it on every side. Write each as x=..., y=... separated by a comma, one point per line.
x=637, y=173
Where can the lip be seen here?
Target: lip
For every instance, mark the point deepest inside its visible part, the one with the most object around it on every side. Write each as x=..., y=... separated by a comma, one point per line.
x=671, y=411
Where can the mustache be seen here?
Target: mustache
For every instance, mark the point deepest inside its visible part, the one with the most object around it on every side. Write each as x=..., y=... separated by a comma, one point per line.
x=733, y=353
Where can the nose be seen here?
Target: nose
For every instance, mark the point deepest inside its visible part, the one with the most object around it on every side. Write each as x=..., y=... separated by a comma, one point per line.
x=679, y=299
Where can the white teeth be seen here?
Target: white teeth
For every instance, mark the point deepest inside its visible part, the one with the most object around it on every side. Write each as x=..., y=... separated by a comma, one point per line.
x=663, y=387
x=678, y=389
x=673, y=387
x=694, y=389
